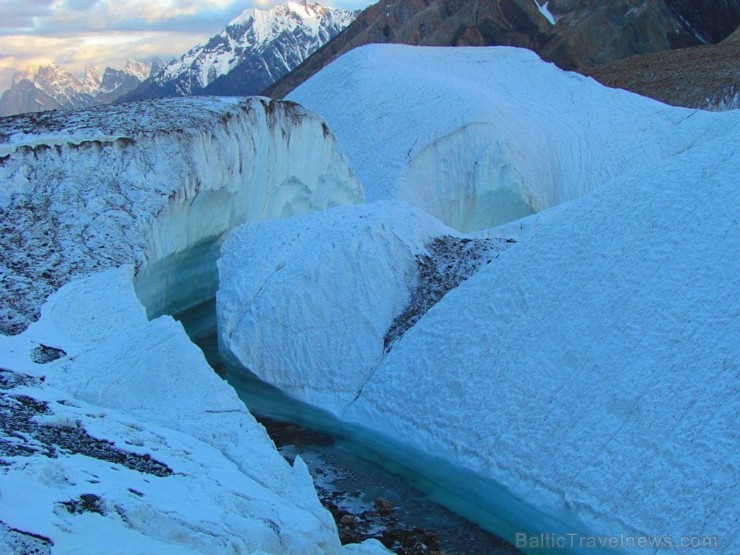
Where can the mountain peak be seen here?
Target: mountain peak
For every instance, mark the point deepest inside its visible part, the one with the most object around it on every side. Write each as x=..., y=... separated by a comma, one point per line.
x=255, y=49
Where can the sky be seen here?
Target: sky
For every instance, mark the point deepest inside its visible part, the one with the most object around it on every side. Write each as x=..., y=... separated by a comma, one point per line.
x=76, y=34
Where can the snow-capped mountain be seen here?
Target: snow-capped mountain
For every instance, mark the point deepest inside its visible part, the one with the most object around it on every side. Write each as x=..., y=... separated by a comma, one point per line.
x=253, y=51
x=51, y=88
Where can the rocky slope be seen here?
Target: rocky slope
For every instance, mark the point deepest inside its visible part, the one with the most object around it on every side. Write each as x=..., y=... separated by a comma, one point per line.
x=584, y=34
x=253, y=51
x=52, y=88
x=706, y=76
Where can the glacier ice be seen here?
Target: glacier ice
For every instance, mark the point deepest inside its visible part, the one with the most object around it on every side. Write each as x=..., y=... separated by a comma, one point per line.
x=144, y=387
x=101, y=210
x=585, y=380
x=306, y=303
x=140, y=183
x=483, y=136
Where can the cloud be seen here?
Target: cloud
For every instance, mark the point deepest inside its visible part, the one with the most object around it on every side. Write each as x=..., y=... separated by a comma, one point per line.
x=79, y=33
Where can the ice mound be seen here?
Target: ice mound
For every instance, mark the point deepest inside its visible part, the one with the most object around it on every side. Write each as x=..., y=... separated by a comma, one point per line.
x=311, y=304
x=127, y=442
x=482, y=136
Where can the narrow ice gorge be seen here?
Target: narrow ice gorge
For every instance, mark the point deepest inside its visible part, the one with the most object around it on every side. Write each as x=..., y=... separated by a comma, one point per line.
x=581, y=382
x=497, y=133
x=117, y=435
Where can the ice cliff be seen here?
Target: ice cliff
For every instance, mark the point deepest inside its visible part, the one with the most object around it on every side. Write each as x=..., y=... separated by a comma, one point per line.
x=138, y=183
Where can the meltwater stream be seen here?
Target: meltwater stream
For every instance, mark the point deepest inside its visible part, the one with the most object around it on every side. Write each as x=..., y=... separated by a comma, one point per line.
x=369, y=494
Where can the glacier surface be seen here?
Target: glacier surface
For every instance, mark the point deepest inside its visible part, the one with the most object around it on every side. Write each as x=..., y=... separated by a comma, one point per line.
x=308, y=304
x=134, y=445
x=585, y=381
x=482, y=136
x=139, y=183
x=116, y=435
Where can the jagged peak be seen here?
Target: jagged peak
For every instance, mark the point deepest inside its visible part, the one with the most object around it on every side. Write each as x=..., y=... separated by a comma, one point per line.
x=138, y=68
x=301, y=9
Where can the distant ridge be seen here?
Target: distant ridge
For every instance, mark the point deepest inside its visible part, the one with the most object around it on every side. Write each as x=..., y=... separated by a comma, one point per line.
x=52, y=88
x=254, y=50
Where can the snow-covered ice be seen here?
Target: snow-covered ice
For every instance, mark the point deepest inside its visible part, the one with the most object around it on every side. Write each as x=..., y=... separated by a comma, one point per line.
x=586, y=379
x=481, y=136
x=308, y=304
x=138, y=183
x=117, y=437
x=151, y=452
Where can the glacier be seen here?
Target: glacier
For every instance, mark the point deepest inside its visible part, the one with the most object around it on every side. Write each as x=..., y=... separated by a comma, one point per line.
x=117, y=436
x=164, y=457
x=139, y=183
x=497, y=133
x=584, y=381
x=337, y=280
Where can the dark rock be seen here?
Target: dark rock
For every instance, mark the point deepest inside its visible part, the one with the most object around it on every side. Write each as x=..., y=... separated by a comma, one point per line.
x=22, y=542
x=86, y=503
x=449, y=262
x=44, y=354
x=22, y=436
x=383, y=506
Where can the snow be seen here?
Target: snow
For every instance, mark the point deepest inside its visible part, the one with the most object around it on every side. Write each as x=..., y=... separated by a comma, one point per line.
x=138, y=69
x=137, y=184
x=117, y=436
x=336, y=279
x=255, y=31
x=474, y=137
x=143, y=387
x=546, y=13
x=586, y=379
x=601, y=384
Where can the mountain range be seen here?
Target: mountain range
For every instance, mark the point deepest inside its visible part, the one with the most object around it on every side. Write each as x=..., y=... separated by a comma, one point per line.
x=272, y=51
x=252, y=52
x=51, y=88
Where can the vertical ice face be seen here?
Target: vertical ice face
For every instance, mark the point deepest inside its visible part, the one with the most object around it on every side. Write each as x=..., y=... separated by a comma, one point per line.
x=139, y=183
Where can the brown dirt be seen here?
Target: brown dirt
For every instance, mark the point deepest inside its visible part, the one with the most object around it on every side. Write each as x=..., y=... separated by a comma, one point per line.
x=696, y=77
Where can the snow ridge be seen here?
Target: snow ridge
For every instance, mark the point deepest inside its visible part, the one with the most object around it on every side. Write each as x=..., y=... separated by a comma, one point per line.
x=472, y=164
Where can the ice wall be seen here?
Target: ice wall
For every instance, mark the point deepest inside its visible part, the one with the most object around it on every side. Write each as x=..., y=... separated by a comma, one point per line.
x=140, y=183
